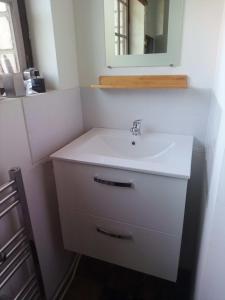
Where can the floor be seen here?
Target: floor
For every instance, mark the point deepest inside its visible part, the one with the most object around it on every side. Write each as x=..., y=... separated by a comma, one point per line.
x=97, y=280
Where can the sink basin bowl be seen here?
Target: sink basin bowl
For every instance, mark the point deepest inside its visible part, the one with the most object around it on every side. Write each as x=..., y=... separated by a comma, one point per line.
x=128, y=147
x=157, y=153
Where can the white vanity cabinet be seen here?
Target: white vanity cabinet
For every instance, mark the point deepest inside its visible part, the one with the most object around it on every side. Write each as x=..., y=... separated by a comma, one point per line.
x=124, y=202
x=138, y=227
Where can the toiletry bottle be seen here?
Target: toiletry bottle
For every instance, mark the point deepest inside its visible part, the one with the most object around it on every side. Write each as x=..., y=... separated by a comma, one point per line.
x=38, y=82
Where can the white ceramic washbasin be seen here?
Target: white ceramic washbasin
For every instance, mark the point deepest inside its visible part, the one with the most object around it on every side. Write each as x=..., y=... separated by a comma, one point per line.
x=127, y=147
x=157, y=153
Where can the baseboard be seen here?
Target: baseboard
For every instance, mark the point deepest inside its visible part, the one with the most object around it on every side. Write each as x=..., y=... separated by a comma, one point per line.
x=67, y=280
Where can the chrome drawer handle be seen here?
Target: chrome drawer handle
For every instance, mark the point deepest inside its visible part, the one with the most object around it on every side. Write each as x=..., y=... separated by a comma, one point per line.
x=114, y=235
x=113, y=183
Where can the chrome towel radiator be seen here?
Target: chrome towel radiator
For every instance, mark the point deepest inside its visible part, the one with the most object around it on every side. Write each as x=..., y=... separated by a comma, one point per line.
x=20, y=247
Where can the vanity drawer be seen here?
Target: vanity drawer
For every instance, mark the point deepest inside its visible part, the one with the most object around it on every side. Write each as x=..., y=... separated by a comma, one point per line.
x=151, y=201
x=133, y=247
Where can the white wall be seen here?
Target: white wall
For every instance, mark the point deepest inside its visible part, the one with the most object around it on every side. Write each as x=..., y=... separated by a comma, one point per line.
x=172, y=111
x=65, y=42
x=137, y=27
x=211, y=266
x=156, y=26
x=150, y=18
x=26, y=141
x=200, y=36
x=60, y=113
x=42, y=40
x=52, y=34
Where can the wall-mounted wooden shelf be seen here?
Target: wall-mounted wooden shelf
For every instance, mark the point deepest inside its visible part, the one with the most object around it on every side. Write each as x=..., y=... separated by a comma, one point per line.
x=142, y=82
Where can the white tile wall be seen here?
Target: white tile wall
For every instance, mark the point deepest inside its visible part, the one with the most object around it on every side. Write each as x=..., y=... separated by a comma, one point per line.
x=52, y=120
x=171, y=111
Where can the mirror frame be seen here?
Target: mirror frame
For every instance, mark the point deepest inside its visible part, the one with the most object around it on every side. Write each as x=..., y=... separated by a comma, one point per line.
x=175, y=30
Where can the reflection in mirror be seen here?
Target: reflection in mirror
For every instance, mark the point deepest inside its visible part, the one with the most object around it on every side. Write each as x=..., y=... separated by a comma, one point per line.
x=141, y=26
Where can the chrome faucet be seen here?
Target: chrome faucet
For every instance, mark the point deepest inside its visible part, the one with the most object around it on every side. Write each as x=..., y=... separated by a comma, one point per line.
x=136, y=128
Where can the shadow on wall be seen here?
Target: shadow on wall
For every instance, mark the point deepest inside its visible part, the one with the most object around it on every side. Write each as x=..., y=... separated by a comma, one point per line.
x=193, y=212
x=41, y=192
x=49, y=185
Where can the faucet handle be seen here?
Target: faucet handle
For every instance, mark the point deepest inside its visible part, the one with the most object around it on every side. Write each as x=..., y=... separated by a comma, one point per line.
x=136, y=129
x=137, y=122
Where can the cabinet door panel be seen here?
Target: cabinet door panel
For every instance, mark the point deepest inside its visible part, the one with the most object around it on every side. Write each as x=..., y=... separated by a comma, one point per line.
x=133, y=247
x=151, y=201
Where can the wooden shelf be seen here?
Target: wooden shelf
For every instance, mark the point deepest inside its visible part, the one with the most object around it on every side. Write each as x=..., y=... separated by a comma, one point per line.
x=142, y=82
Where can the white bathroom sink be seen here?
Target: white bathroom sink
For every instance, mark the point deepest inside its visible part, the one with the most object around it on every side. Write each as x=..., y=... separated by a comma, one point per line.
x=127, y=147
x=155, y=153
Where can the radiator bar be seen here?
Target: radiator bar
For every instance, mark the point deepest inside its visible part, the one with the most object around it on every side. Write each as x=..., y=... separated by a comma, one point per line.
x=11, y=252
x=19, y=232
x=19, y=264
x=5, y=211
x=34, y=293
x=6, y=186
x=33, y=286
x=15, y=258
x=12, y=194
x=24, y=288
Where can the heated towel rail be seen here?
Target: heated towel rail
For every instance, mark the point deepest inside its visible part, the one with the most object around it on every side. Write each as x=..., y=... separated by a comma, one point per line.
x=20, y=247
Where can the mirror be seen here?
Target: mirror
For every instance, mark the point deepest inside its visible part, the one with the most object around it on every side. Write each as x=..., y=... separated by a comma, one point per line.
x=141, y=26
x=143, y=32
